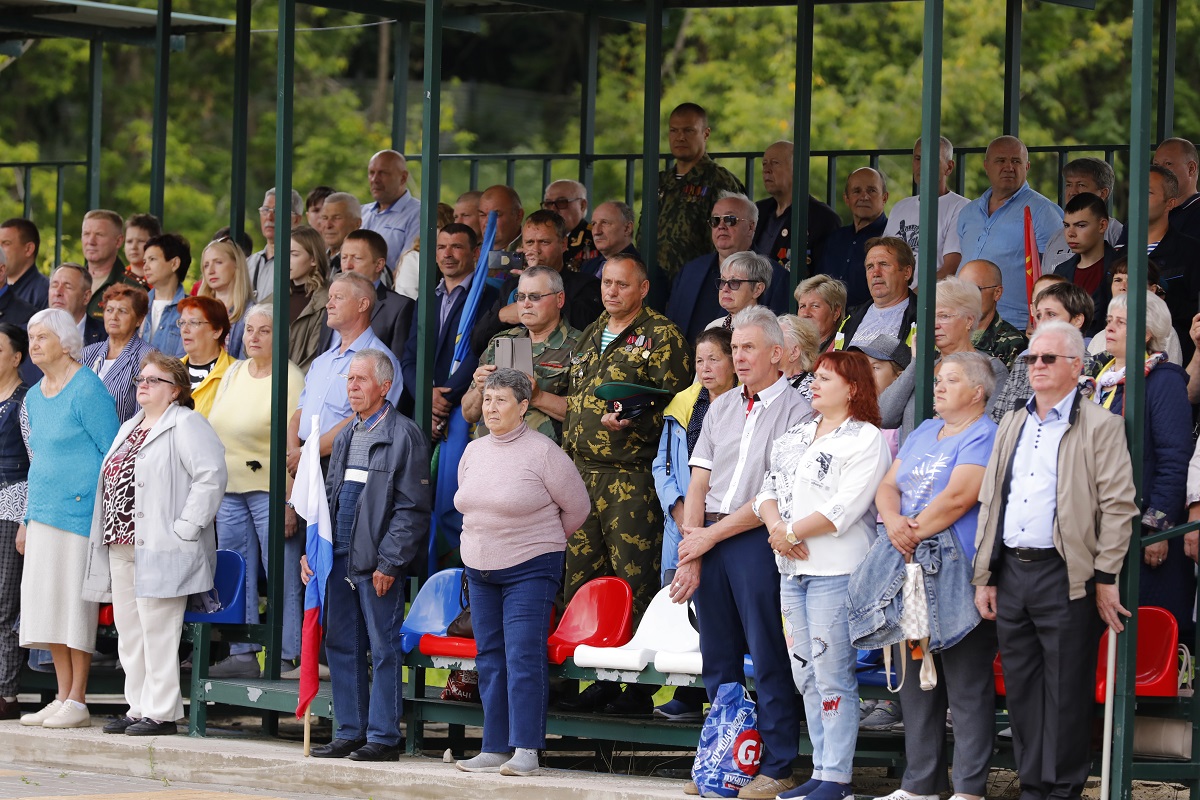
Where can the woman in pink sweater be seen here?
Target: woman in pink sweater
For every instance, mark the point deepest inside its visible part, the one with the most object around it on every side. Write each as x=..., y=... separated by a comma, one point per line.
x=520, y=497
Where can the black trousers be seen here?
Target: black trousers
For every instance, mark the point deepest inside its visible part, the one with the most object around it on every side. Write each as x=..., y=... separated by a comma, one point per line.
x=1048, y=646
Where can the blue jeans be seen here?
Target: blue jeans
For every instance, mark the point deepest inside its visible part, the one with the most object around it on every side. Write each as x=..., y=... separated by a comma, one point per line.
x=242, y=526
x=817, y=625
x=357, y=621
x=510, y=612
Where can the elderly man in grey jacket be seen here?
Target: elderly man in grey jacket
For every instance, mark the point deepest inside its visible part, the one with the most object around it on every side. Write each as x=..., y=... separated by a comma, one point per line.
x=379, y=503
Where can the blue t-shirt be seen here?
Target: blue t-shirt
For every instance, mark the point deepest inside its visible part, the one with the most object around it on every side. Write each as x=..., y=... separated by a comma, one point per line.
x=926, y=464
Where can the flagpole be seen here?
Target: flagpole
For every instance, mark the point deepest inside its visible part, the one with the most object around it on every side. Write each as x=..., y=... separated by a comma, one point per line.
x=307, y=731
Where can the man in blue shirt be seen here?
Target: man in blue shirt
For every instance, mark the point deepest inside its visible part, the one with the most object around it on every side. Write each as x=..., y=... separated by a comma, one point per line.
x=993, y=227
x=396, y=214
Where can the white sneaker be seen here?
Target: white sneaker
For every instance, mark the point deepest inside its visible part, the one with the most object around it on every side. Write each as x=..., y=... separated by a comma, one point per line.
x=69, y=715
x=36, y=719
x=900, y=794
x=960, y=797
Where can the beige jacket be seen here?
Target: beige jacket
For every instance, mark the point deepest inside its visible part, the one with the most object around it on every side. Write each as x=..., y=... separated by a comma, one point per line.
x=1096, y=507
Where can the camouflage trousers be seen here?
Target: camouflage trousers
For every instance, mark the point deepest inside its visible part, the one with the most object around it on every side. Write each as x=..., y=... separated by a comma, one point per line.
x=621, y=537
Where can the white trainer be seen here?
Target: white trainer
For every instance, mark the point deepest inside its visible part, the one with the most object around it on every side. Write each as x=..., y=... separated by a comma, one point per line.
x=69, y=715
x=900, y=794
x=36, y=719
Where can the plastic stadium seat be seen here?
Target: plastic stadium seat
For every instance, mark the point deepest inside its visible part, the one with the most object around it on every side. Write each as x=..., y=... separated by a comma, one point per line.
x=600, y=615
x=433, y=609
x=230, y=583
x=748, y=666
x=450, y=646
x=1157, y=665
x=665, y=627
x=869, y=669
x=689, y=662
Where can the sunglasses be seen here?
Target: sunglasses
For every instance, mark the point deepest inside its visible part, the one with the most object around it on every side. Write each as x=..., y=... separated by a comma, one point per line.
x=1049, y=359
x=733, y=284
x=729, y=219
x=560, y=204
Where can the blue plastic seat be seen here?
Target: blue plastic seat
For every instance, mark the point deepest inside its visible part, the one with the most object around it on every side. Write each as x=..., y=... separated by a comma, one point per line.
x=433, y=609
x=230, y=583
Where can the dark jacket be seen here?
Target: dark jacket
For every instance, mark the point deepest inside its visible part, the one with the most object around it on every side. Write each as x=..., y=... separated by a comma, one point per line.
x=1178, y=259
x=34, y=288
x=1103, y=293
x=391, y=522
x=844, y=257
x=15, y=310
x=850, y=326
x=580, y=309
x=391, y=320
x=93, y=331
x=594, y=266
x=822, y=221
x=694, y=300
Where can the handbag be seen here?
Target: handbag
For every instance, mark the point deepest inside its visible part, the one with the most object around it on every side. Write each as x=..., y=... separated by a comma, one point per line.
x=914, y=624
x=461, y=626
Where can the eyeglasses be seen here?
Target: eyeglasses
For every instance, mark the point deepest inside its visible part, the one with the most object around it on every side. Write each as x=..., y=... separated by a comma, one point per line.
x=1048, y=359
x=733, y=284
x=560, y=204
x=944, y=317
x=186, y=324
x=532, y=297
x=142, y=380
x=267, y=211
x=993, y=286
x=729, y=219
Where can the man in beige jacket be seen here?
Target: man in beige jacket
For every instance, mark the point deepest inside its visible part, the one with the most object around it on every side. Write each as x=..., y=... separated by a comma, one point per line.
x=1056, y=513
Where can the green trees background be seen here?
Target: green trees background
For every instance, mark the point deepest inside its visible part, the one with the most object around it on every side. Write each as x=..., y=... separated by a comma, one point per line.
x=739, y=63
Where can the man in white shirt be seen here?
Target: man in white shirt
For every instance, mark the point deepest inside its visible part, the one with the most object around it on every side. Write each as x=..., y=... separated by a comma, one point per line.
x=905, y=219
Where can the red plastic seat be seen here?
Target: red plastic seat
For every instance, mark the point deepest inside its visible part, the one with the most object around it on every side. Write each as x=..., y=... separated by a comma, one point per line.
x=454, y=646
x=600, y=615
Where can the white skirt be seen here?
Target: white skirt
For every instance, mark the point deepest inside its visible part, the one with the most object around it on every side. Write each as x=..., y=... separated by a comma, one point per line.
x=52, y=608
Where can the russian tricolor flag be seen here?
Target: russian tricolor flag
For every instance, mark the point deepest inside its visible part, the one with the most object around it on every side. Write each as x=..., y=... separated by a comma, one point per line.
x=311, y=504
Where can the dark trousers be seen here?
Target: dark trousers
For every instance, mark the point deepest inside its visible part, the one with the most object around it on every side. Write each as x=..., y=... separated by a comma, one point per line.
x=738, y=607
x=1048, y=647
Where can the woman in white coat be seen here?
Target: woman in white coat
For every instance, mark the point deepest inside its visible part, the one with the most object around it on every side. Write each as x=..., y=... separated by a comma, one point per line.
x=153, y=542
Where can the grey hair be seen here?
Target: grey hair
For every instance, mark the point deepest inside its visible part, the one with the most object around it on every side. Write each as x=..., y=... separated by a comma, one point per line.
x=762, y=318
x=944, y=145
x=297, y=200
x=802, y=333
x=263, y=309
x=362, y=286
x=1099, y=170
x=513, y=379
x=62, y=325
x=831, y=290
x=624, y=209
x=1158, y=319
x=556, y=281
x=1074, y=339
x=751, y=208
x=962, y=296
x=384, y=371
x=978, y=369
x=755, y=266
x=353, y=207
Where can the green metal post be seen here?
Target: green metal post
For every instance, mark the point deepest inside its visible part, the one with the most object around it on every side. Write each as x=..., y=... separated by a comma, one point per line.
x=431, y=180
x=241, y=120
x=801, y=149
x=59, y=187
x=279, y=356
x=587, y=99
x=401, y=47
x=1012, y=68
x=95, y=110
x=1166, y=67
x=931, y=126
x=650, y=136
x=158, y=136
x=1135, y=386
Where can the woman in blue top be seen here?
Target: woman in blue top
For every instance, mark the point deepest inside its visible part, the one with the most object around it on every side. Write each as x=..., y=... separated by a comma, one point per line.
x=72, y=423
x=933, y=486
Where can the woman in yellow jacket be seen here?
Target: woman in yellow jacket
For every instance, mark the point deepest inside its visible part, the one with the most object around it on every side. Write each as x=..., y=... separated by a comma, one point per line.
x=204, y=326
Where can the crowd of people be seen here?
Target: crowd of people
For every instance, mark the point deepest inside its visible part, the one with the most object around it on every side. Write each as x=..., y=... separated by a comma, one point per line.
x=693, y=450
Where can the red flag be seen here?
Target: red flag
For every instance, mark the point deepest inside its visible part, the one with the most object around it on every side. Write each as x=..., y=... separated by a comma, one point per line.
x=308, y=497
x=1033, y=261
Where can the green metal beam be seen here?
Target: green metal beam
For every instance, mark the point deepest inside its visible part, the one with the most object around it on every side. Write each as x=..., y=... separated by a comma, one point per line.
x=587, y=99
x=1012, y=67
x=931, y=124
x=158, y=135
x=1166, y=68
x=650, y=142
x=401, y=48
x=801, y=149
x=95, y=117
x=431, y=182
x=241, y=120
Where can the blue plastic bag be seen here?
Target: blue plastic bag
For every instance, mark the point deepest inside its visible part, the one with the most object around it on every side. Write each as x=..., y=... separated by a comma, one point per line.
x=730, y=748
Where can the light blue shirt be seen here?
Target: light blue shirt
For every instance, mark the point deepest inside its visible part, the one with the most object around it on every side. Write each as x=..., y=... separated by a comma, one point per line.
x=398, y=225
x=1033, y=490
x=1000, y=238
x=325, y=384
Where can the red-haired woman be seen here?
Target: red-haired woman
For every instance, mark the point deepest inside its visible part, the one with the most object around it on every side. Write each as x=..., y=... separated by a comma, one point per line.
x=817, y=501
x=204, y=326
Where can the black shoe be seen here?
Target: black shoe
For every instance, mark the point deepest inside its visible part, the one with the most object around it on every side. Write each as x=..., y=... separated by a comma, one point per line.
x=593, y=698
x=630, y=703
x=148, y=727
x=338, y=748
x=374, y=751
x=119, y=724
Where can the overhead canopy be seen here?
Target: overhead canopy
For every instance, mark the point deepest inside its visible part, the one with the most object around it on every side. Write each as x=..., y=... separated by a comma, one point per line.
x=83, y=19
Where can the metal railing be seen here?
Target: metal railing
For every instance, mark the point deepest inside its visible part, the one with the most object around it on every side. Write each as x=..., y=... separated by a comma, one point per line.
x=23, y=175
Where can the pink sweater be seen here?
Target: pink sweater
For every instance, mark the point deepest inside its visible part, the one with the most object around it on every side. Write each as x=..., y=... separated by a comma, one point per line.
x=520, y=496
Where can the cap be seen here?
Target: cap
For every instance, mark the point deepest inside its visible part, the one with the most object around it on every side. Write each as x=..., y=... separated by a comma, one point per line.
x=630, y=399
x=886, y=348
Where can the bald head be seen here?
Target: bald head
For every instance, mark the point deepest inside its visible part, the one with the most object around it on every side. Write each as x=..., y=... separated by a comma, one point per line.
x=505, y=201
x=569, y=200
x=777, y=172
x=1179, y=156
x=387, y=173
x=988, y=278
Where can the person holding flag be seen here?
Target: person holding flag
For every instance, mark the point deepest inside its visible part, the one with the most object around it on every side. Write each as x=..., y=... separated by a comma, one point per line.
x=378, y=517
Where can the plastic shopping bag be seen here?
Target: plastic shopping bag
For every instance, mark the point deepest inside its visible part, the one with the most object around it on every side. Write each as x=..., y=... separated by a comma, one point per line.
x=730, y=748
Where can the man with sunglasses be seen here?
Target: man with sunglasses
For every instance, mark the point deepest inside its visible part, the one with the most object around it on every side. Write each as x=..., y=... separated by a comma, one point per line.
x=1056, y=513
x=844, y=253
x=569, y=200
x=694, y=298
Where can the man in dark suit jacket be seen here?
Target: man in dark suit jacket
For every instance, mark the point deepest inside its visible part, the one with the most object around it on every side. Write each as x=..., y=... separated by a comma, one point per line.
x=365, y=252
x=457, y=253
x=16, y=311
x=1177, y=255
x=773, y=235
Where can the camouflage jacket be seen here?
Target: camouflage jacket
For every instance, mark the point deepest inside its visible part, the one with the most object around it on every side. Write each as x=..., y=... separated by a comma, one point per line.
x=1002, y=340
x=651, y=351
x=551, y=361
x=684, y=207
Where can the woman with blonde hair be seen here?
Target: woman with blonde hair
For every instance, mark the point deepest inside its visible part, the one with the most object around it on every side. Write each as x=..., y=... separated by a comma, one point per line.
x=225, y=276
x=309, y=293
x=802, y=342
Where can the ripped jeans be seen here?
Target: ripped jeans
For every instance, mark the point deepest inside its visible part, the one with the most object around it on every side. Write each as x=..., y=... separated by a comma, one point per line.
x=816, y=622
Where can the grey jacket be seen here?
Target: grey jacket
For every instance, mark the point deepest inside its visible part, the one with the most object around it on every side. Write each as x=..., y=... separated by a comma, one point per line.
x=391, y=522
x=180, y=480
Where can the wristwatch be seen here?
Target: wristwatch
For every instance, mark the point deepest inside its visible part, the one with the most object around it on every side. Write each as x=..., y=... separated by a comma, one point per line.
x=791, y=537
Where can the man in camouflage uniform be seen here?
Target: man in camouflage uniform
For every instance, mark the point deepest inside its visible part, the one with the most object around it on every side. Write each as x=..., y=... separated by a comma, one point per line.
x=540, y=299
x=688, y=191
x=993, y=336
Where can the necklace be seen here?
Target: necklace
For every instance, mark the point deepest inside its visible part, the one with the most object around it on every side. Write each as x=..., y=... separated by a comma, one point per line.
x=960, y=428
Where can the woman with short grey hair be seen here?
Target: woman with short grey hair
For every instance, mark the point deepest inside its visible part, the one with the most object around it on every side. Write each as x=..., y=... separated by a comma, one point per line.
x=745, y=279
x=516, y=521
x=822, y=300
